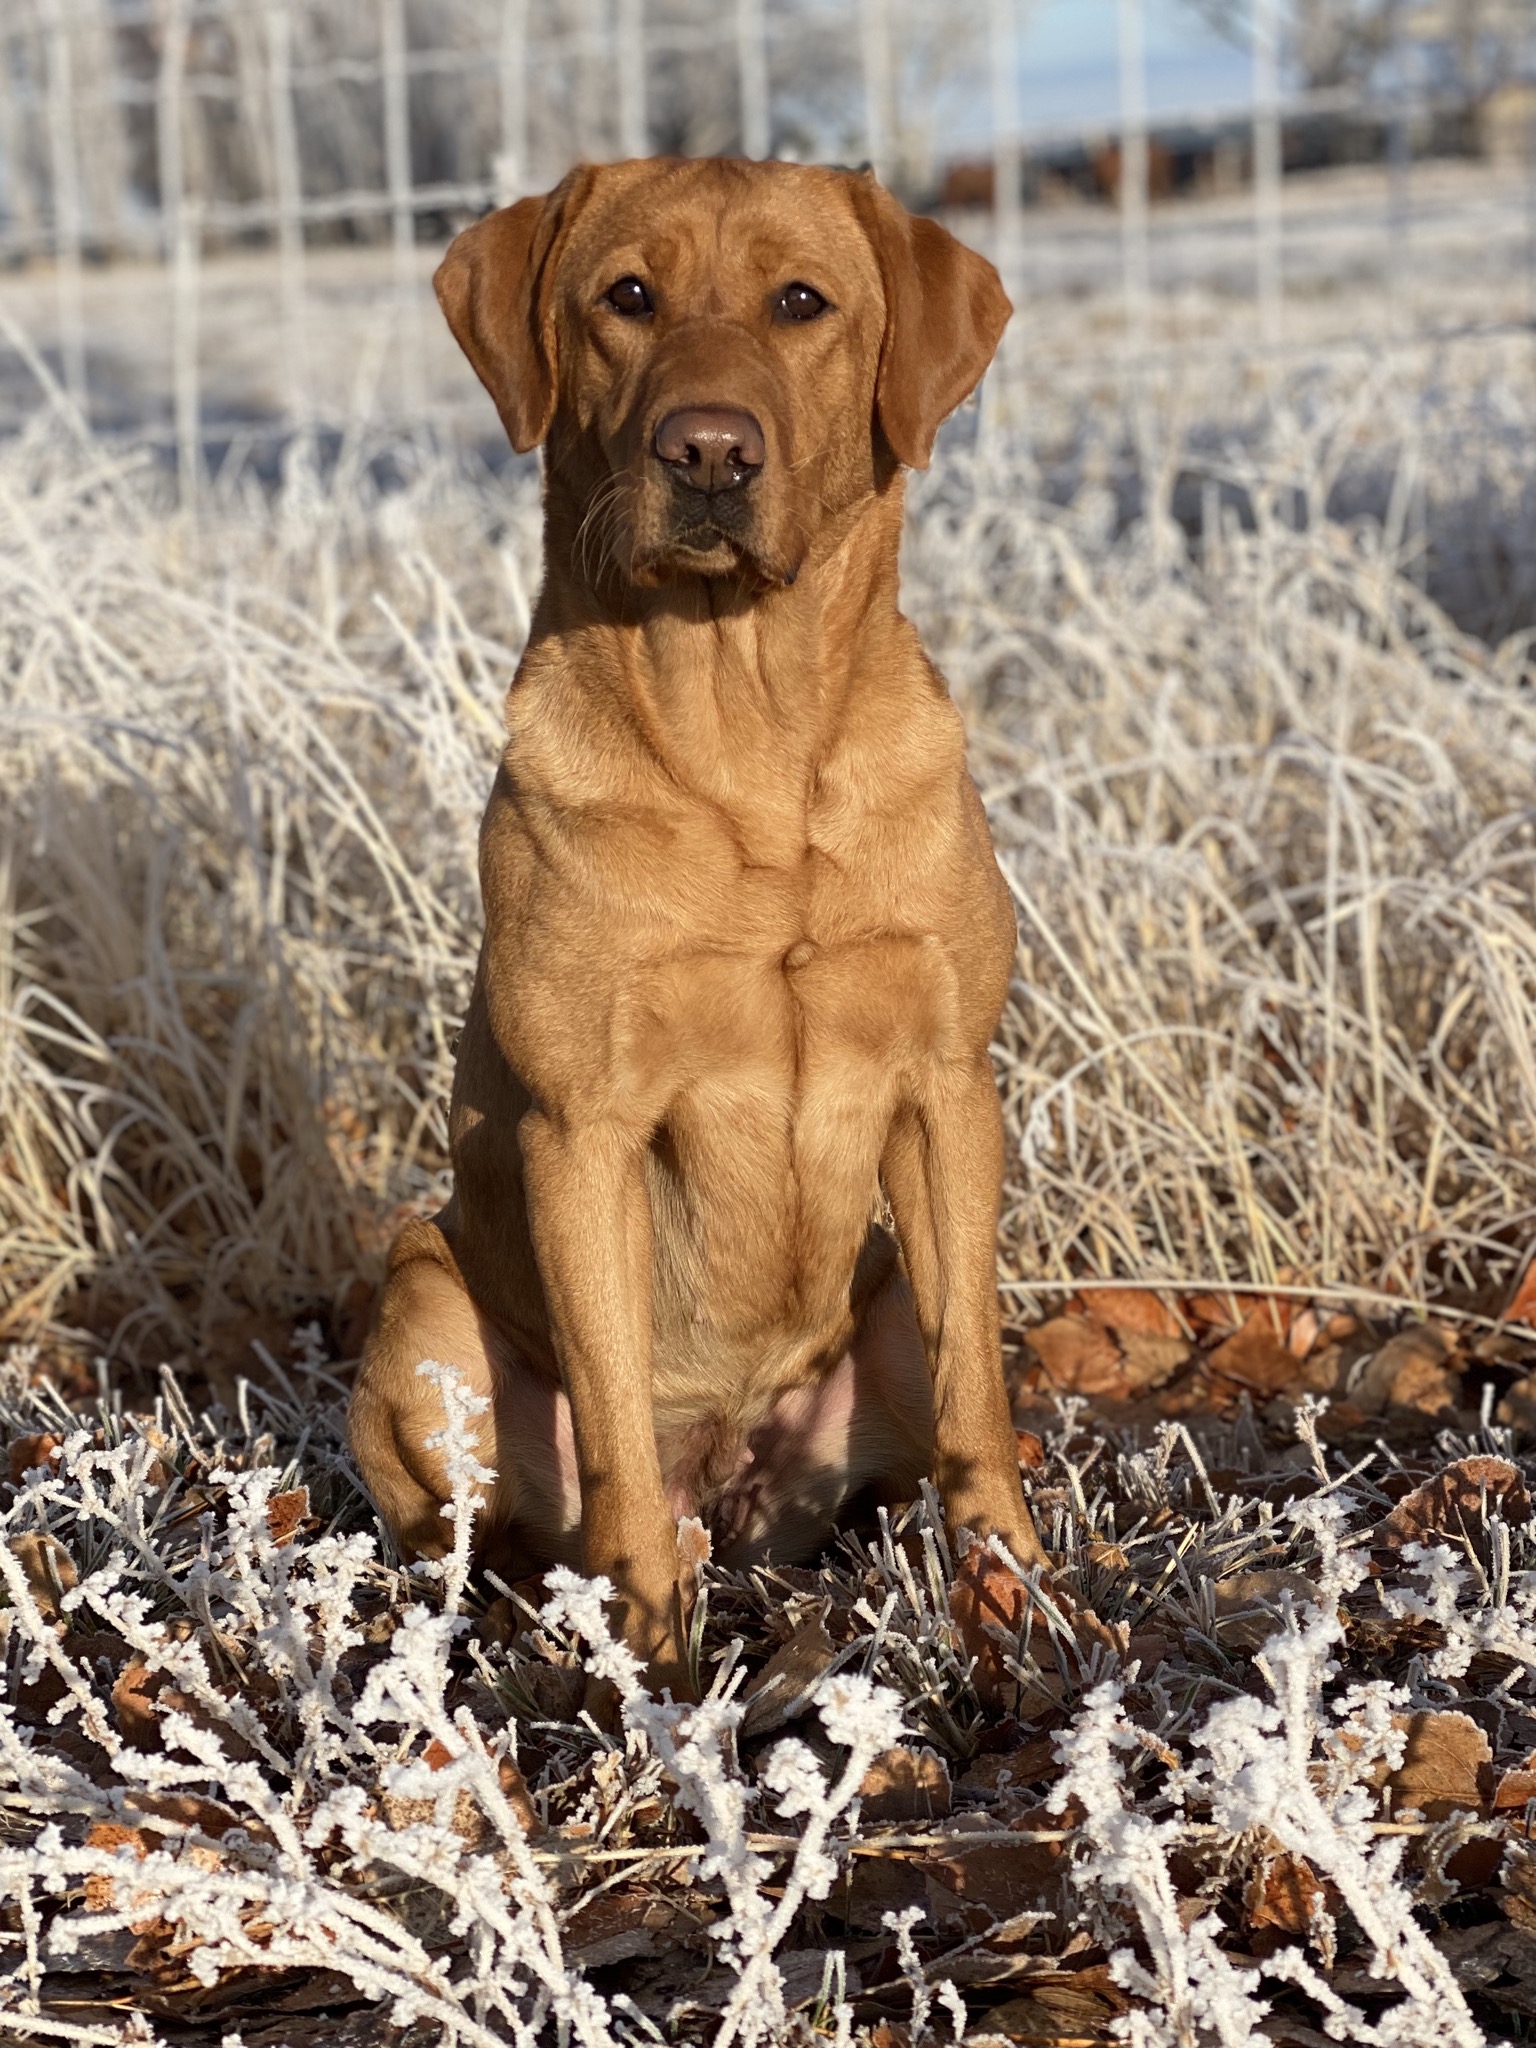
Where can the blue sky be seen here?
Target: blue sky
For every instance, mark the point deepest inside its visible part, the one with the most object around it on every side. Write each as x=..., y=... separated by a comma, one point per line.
x=1069, y=62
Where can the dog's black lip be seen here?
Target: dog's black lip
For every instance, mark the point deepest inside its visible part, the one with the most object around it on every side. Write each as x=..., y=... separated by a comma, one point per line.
x=687, y=551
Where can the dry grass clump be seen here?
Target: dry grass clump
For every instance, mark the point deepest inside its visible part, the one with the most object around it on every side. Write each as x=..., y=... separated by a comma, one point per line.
x=1266, y=816
x=244, y=767
x=1264, y=809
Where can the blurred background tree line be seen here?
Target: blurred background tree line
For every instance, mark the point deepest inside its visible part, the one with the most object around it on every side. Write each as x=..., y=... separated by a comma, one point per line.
x=504, y=94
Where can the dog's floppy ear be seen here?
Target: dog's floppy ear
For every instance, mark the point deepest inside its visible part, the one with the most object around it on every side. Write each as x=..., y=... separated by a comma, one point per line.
x=945, y=311
x=496, y=289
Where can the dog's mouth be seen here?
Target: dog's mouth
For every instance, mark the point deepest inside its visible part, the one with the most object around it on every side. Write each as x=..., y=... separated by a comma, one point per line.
x=705, y=533
x=705, y=546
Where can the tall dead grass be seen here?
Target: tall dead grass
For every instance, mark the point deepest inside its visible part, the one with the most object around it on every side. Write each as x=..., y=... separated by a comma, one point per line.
x=1266, y=813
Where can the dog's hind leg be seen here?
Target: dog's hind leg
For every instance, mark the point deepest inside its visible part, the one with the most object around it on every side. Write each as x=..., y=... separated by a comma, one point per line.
x=532, y=1509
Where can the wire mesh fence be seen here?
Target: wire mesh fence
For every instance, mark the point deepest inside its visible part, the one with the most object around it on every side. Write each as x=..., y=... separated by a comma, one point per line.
x=331, y=146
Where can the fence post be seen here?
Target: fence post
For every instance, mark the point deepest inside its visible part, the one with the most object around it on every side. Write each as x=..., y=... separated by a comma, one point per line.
x=397, y=172
x=290, y=205
x=186, y=290
x=64, y=170
x=181, y=241
x=511, y=168
x=629, y=53
x=1007, y=197
x=24, y=235
x=592, y=130
x=1267, y=225
x=1399, y=153
x=752, y=72
x=1135, y=255
x=875, y=50
x=102, y=138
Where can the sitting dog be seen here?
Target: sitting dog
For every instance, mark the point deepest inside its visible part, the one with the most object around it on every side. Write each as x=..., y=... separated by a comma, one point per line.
x=746, y=941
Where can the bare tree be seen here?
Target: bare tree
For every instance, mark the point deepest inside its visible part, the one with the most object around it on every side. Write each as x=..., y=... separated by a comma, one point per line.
x=1467, y=46
x=1330, y=42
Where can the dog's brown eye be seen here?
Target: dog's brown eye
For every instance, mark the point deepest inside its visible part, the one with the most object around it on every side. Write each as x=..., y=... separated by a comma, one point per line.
x=799, y=302
x=629, y=297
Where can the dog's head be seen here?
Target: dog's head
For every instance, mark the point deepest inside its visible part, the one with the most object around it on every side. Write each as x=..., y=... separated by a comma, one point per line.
x=722, y=356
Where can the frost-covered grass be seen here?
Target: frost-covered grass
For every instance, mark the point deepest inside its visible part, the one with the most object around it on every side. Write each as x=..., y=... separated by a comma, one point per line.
x=1266, y=814
x=242, y=1746
x=1264, y=809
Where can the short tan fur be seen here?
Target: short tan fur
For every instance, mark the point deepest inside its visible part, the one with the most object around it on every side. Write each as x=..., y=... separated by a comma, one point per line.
x=746, y=942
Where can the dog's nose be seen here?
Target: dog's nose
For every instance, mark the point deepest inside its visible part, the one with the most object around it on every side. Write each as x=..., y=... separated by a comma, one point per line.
x=712, y=447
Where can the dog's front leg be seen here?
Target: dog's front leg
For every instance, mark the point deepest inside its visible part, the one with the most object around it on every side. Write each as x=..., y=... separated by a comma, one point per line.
x=589, y=1213
x=943, y=1169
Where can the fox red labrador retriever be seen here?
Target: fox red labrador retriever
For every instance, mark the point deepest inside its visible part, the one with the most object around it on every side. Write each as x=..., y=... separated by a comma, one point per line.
x=746, y=941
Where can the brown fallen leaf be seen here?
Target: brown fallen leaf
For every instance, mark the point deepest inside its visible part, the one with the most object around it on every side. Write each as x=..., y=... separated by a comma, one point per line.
x=513, y=1784
x=1078, y=1355
x=1148, y=1649
x=1516, y=1787
x=1521, y=1307
x=287, y=1513
x=133, y=1702
x=158, y=1474
x=1213, y=1314
x=1130, y=1310
x=621, y=1927
x=1064, y=2007
x=1004, y=1878
x=906, y=1785
x=1429, y=1389
x=1447, y=1766
x=1032, y=1763
x=1151, y=1359
x=140, y=1697
x=92, y=1647
x=775, y=1694
x=1284, y=2030
x=26, y=1453
x=1256, y=1356
x=113, y=1836
x=514, y=1788
x=1324, y=1370
x=1409, y=1371
x=467, y=1820
x=1302, y=1337
x=1284, y=1893
x=48, y=1569
x=1031, y=1450
x=1498, y=1960
x=1517, y=1878
x=1450, y=1504
x=1248, y=1605
x=694, y=1550
x=872, y=1886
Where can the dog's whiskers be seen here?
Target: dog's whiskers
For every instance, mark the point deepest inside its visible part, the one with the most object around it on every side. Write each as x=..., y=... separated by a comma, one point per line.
x=598, y=527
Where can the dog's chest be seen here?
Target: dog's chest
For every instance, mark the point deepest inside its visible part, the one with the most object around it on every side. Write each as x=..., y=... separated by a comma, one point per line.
x=793, y=983
x=777, y=1051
